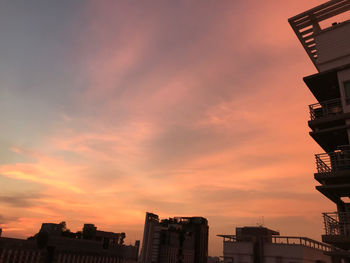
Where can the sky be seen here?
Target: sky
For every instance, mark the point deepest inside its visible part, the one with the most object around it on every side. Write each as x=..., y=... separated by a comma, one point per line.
x=111, y=108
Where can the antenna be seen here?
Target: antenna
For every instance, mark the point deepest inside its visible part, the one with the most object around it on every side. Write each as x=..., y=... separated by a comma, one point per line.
x=261, y=221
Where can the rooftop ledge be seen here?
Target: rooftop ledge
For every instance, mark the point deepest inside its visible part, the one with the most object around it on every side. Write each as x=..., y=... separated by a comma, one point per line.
x=307, y=28
x=287, y=240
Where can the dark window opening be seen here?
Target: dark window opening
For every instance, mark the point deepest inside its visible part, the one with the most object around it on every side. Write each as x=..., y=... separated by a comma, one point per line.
x=347, y=91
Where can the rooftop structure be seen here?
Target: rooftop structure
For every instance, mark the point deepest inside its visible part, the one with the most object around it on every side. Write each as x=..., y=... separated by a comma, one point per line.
x=260, y=244
x=55, y=243
x=329, y=50
x=178, y=240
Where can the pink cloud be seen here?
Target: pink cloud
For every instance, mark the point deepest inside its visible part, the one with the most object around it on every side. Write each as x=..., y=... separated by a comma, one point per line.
x=179, y=119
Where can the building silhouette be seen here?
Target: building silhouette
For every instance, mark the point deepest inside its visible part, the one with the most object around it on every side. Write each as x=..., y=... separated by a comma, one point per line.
x=55, y=243
x=174, y=240
x=263, y=245
x=328, y=46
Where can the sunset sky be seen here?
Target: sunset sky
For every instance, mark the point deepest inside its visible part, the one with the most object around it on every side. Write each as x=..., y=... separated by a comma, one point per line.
x=112, y=108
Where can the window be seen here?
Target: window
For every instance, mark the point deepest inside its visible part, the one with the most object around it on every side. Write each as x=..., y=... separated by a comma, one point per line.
x=347, y=91
x=279, y=259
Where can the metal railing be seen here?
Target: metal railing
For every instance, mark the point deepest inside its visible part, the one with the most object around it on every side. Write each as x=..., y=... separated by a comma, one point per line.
x=337, y=223
x=333, y=161
x=301, y=241
x=325, y=109
x=286, y=240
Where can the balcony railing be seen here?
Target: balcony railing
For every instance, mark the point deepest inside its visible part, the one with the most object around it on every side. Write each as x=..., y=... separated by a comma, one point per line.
x=286, y=240
x=333, y=161
x=301, y=241
x=337, y=223
x=325, y=109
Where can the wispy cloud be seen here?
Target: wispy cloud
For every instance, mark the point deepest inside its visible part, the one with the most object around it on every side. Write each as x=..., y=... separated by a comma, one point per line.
x=177, y=107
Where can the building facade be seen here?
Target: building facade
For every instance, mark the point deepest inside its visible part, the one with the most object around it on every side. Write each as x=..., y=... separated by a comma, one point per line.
x=263, y=245
x=327, y=42
x=55, y=243
x=175, y=240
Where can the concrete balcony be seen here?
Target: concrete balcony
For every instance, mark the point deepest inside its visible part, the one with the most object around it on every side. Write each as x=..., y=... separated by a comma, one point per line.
x=325, y=109
x=338, y=160
x=333, y=172
x=329, y=124
x=337, y=228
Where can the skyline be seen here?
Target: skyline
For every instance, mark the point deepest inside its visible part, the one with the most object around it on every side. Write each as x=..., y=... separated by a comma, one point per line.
x=113, y=109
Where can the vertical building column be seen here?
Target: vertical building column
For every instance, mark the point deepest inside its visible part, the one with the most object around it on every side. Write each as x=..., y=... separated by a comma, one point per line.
x=38, y=257
x=1, y=255
x=9, y=254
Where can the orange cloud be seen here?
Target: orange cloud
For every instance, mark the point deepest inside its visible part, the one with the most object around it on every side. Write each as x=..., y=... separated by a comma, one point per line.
x=193, y=110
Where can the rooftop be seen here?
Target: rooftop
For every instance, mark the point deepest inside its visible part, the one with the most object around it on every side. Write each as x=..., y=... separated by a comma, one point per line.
x=307, y=24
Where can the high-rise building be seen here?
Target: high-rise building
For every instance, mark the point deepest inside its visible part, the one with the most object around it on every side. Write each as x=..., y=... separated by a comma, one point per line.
x=263, y=245
x=327, y=42
x=150, y=241
x=175, y=240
